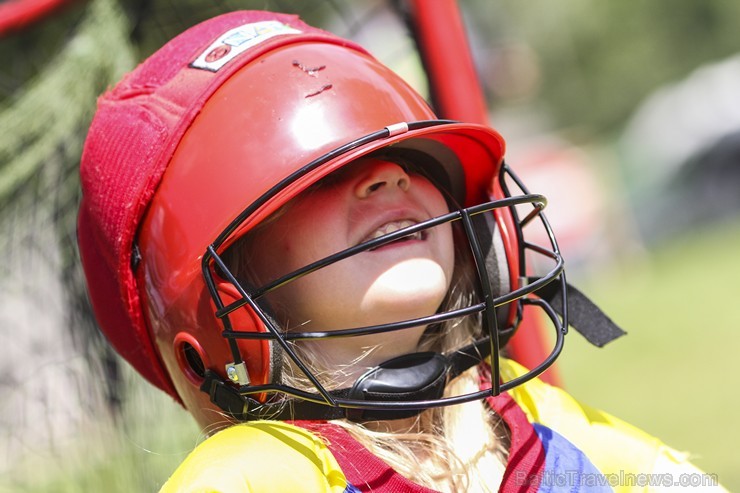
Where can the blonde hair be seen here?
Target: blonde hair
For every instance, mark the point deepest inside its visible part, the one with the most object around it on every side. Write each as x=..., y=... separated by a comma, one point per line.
x=456, y=448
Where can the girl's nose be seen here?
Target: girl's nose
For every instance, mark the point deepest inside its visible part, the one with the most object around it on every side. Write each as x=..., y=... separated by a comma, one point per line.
x=382, y=176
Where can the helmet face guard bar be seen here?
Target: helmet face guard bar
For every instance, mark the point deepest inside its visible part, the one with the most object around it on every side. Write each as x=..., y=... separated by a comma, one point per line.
x=235, y=396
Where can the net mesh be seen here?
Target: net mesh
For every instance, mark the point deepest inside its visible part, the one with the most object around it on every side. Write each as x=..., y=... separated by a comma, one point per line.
x=67, y=396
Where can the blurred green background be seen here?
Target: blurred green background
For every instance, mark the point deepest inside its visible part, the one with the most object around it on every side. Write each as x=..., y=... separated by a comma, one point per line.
x=675, y=374
x=626, y=114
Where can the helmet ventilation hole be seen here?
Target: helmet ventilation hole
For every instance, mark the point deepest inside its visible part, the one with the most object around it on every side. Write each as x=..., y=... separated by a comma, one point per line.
x=193, y=360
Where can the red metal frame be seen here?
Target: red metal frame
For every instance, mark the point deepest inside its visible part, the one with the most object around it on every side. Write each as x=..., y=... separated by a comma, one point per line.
x=16, y=15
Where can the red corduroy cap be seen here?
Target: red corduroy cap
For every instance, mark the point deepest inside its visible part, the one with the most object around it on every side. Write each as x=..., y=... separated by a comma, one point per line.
x=137, y=127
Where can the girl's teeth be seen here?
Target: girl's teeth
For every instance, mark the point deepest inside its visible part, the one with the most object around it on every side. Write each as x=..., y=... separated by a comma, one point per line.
x=394, y=226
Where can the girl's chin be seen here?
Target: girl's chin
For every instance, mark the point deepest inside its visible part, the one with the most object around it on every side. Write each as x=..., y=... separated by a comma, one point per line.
x=417, y=285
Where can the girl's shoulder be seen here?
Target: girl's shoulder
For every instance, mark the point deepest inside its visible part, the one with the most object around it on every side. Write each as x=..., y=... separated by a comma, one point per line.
x=259, y=456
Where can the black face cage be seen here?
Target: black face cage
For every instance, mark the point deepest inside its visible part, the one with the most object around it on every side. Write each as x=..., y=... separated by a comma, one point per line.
x=238, y=398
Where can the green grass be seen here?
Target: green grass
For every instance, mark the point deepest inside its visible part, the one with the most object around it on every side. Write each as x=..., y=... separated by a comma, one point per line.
x=676, y=373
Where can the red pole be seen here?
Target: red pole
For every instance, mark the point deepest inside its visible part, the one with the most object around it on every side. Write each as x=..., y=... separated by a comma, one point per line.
x=457, y=94
x=16, y=15
x=448, y=61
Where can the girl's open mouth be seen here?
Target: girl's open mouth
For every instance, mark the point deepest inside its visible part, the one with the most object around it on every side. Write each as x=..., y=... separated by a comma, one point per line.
x=393, y=226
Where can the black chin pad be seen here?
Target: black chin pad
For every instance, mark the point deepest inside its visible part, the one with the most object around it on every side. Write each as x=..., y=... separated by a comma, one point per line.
x=411, y=377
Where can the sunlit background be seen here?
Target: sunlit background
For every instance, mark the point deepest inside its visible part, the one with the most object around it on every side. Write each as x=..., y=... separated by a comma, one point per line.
x=625, y=114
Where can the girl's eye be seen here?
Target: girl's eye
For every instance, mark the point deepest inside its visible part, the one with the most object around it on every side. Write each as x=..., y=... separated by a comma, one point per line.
x=326, y=182
x=412, y=169
x=407, y=167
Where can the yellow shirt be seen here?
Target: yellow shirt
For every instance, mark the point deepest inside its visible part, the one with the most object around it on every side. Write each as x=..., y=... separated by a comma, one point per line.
x=273, y=456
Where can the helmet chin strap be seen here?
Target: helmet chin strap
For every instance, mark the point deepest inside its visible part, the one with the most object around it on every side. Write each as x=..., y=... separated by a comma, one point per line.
x=409, y=377
x=416, y=377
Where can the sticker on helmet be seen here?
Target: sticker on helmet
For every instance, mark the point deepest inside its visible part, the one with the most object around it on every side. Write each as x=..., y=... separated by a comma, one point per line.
x=236, y=41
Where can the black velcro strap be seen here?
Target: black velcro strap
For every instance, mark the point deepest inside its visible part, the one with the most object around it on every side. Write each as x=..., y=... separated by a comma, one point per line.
x=225, y=396
x=583, y=314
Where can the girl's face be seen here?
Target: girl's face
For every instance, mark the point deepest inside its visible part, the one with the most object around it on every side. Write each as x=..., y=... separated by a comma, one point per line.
x=402, y=280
